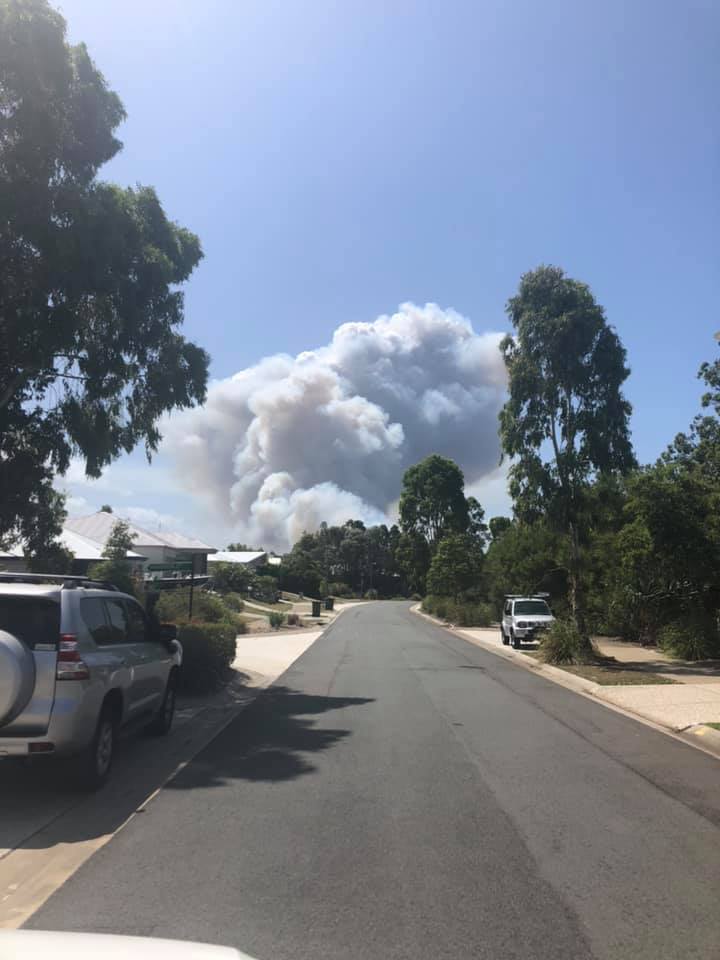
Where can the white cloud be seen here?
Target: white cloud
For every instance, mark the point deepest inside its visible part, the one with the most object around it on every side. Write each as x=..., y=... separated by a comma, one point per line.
x=327, y=435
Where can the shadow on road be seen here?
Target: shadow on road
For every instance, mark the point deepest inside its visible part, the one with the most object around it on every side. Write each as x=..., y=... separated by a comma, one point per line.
x=40, y=807
x=269, y=741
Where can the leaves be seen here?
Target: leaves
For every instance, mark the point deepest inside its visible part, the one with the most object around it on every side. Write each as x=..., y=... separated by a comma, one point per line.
x=90, y=353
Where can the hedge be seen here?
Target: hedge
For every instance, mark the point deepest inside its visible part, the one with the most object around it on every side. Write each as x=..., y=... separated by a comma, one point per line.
x=208, y=652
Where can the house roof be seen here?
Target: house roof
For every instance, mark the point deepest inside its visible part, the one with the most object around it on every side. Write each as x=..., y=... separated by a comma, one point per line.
x=81, y=547
x=85, y=549
x=236, y=556
x=98, y=527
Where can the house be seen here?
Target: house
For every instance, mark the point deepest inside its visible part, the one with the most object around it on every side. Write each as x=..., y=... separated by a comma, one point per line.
x=247, y=558
x=85, y=552
x=162, y=555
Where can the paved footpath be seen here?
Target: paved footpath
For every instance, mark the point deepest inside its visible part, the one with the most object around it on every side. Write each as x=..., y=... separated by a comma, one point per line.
x=402, y=793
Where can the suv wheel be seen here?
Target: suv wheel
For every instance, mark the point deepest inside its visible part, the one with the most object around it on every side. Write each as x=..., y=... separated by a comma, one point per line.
x=95, y=763
x=163, y=721
x=515, y=640
x=503, y=637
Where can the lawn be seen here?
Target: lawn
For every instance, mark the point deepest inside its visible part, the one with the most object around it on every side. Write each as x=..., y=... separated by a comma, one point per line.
x=608, y=675
x=715, y=726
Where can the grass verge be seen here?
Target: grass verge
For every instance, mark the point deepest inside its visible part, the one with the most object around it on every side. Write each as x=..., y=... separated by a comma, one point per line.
x=715, y=726
x=608, y=676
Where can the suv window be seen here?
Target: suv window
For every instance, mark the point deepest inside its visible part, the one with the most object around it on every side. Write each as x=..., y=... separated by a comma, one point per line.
x=34, y=620
x=92, y=610
x=118, y=617
x=537, y=607
x=138, y=625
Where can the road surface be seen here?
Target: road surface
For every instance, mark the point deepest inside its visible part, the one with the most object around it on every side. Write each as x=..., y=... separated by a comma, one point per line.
x=401, y=793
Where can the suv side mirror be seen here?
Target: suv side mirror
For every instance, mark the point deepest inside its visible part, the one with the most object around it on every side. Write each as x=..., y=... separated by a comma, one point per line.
x=167, y=634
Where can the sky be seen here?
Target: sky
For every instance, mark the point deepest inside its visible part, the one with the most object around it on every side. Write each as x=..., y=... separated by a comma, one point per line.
x=338, y=159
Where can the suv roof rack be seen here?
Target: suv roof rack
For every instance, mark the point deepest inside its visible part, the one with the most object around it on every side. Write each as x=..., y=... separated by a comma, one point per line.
x=65, y=580
x=526, y=596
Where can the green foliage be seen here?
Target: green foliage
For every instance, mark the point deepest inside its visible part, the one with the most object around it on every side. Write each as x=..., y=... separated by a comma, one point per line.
x=119, y=541
x=527, y=557
x=116, y=568
x=461, y=613
x=106, y=508
x=265, y=589
x=208, y=652
x=276, y=619
x=371, y=594
x=90, y=306
x=562, y=642
x=337, y=589
x=43, y=551
x=231, y=577
x=692, y=637
x=566, y=368
x=432, y=499
x=173, y=607
x=499, y=526
x=456, y=566
x=234, y=602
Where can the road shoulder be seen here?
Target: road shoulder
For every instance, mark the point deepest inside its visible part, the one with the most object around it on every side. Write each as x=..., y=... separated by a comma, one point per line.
x=697, y=734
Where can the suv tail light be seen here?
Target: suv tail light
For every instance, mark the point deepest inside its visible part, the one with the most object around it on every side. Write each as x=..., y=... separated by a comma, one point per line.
x=70, y=665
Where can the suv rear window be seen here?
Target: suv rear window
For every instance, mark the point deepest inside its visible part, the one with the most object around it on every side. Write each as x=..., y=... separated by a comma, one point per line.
x=34, y=620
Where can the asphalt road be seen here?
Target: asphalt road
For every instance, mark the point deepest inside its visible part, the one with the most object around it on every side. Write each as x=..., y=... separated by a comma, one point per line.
x=401, y=793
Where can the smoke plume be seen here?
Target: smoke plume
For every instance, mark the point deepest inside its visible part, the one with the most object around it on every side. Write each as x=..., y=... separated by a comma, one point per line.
x=326, y=435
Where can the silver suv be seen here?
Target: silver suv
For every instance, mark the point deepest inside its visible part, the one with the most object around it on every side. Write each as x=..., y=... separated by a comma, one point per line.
x=524, y=618
x=79, y=661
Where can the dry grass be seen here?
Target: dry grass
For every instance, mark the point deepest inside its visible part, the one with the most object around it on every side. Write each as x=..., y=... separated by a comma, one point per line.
x=607, y=674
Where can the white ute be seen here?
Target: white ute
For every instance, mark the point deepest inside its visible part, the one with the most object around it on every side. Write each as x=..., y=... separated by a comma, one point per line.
x=524, y=618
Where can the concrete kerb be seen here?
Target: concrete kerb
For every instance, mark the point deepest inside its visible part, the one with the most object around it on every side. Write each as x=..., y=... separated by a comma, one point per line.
x=700, y=736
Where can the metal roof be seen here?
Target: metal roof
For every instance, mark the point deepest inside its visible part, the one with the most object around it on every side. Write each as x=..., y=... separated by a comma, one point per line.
x=98, y=527
x=236, y=556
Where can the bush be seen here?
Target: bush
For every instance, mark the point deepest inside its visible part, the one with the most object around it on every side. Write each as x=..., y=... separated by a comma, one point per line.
x=339, y=590
x=208, y=652
x=460, y=612
x=234, y=601
x=416, y=597
x=371, y=594
x=173, y=605
x=694, y=637
x=276, y=619
x=561, y=643
x=471, y=614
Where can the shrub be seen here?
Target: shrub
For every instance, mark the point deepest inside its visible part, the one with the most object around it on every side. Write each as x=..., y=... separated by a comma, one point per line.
x=339, y=590
x=276, y=619
x=471, y=614
x=234, y=601
x=561, y=643
x=371, y=594
x=462, y=613
x=416, y=597
x=208, y=652
x=694, y=637
x=173, y=605
x=293, y=620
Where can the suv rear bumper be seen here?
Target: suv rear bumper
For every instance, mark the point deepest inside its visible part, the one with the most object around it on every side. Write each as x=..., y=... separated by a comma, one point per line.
x=69, y=731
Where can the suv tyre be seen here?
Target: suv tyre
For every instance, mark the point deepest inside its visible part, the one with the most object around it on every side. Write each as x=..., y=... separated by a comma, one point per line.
x=163, y=721
x=95, y=763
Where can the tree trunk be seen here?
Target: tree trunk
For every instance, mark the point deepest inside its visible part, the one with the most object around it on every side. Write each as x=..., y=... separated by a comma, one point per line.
x=576, y=599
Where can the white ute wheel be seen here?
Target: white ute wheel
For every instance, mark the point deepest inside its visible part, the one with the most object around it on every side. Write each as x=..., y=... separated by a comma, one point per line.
x=17, y=677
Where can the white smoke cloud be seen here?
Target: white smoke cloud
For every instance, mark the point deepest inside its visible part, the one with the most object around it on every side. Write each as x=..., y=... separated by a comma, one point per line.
x=326, y=435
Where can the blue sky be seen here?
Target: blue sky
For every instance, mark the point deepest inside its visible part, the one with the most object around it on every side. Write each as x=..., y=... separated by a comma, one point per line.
x=339, y=158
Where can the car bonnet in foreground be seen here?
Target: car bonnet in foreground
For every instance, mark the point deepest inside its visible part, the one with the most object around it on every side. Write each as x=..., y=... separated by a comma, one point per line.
x=39, y=945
